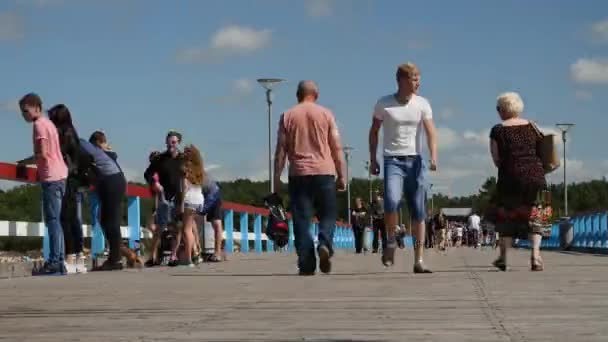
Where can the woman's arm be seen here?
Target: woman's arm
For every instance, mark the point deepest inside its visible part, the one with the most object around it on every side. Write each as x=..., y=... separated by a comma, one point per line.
x=494, y=152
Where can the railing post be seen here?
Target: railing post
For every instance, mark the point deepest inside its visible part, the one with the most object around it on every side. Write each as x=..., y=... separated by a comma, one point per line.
x=597, y=241
x=133, y=219
x=577, y=232
x=604, y=229
x=269, y=243
x=257, y=230
x=588, y=231
x=244, y=232
x=98, y=242
x=229, y=229
x=291, y=245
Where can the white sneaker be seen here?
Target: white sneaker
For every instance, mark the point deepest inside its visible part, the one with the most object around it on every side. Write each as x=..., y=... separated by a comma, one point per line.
x=70, y=268
x=79, y=265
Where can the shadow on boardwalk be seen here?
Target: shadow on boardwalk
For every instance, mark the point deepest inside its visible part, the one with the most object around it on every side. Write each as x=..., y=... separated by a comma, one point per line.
x=260, y=298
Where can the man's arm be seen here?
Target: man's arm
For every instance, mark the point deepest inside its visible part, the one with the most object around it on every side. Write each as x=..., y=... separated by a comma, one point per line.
x=150, y=170
x=431, y=139
x=373, y=145
x=280, y=154
x=335, y=146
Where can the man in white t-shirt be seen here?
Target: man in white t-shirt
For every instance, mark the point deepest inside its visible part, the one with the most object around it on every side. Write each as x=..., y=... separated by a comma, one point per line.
x=402, y=116
x=474, y=227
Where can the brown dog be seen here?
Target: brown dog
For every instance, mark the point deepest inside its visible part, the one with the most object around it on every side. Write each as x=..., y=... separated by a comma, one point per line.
x=133, y=260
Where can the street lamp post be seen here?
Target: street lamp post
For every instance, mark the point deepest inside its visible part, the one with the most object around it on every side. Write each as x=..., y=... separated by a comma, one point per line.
x=347, y=150
x=564, y=127
x=269, y=84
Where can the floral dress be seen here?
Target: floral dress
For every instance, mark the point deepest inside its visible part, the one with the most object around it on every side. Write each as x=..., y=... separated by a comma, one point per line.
x=521, y=202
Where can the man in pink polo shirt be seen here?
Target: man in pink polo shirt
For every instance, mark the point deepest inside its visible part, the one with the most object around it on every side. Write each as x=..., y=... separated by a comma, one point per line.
x=309, y=138
x=52, y=174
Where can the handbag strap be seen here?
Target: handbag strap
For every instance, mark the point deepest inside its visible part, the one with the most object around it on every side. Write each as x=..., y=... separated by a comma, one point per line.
x=535, y=127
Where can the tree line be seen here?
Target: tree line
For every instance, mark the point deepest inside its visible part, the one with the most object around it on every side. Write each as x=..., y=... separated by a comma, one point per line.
x=22, y=203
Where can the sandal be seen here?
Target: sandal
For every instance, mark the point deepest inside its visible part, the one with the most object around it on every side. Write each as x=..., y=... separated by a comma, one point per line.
x=388, y=254
x=214, y=258
x=536, y=264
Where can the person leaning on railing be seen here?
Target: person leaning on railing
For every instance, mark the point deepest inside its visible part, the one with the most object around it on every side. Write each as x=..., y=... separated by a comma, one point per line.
x=111, y=186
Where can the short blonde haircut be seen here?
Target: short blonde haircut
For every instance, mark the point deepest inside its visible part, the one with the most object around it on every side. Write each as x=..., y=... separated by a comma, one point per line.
x=407, y=70
x=510, y=103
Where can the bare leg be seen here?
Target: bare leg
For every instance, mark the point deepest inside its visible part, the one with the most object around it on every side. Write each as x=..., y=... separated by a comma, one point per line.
x=419, y=234
x=219, y=236
x=389, y=246
x=536, y=260
x=178, y=241
x=188, y=229
x=501, y=262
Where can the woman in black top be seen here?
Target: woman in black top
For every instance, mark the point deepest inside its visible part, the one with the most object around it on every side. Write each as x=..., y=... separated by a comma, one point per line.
x=71, y=210
x=521, y=178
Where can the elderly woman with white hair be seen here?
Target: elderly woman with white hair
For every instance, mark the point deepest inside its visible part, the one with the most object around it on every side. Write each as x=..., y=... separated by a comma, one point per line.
x=521, y=178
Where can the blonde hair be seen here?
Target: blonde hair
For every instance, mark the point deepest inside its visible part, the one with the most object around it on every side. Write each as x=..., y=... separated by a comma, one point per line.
x=193, y=165
x=407, y=70
x=510, y=103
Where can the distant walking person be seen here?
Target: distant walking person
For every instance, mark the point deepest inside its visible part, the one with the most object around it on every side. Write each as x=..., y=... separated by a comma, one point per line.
x=309, y=138
x=379, y=228
x=474, y=224
x=403, y=115
x=52, y=174
x=521, y=178
x=358, y=220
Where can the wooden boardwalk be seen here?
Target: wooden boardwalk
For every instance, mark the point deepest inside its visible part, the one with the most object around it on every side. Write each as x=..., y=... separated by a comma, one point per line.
x=260, y=298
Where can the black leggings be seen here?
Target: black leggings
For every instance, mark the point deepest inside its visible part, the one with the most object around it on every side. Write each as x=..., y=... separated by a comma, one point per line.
x=111, y=190
x=358, y=231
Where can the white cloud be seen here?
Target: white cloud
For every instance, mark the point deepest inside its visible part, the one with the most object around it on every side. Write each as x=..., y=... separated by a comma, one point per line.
x=447, y=138
x=481, y=138
x=446, y=113
x=211, y=167
x=11, y=27
x=593, y=70
x=319, y=8
x=243, y=86
x=229, y=41
x=9, y=106
x=583, y=95
x=599, y=30
x=240, y=92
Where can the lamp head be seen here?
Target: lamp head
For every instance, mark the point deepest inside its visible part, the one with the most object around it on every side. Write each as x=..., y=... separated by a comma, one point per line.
x=269, y=83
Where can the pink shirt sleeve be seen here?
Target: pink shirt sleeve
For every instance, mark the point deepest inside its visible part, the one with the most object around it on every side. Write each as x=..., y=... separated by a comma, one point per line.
x=39, y=132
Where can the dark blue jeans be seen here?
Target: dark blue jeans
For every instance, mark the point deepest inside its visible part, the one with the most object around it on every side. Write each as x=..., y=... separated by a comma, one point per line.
x=307, y=193
x=52, y=196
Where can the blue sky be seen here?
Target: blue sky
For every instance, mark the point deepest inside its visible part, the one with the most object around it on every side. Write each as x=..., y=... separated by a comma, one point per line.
x=138, y=68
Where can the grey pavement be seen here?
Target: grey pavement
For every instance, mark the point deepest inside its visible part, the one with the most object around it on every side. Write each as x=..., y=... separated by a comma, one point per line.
x=260, y=297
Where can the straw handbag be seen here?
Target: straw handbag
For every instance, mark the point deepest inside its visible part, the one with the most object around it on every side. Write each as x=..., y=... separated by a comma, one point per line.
x=547, y=150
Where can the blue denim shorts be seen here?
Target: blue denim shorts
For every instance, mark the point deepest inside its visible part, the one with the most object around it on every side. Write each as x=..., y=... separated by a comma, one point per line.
x=405, y=175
